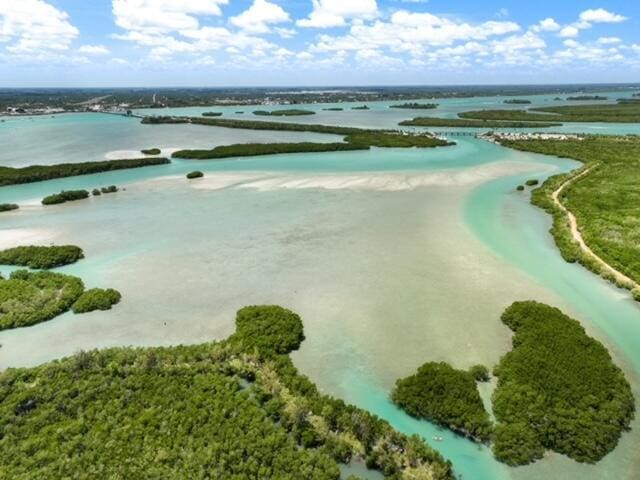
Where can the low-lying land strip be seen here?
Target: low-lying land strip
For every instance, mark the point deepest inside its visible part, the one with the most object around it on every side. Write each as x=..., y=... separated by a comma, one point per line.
x=256, y=149
x=416, y=106
x=228, y=410
x=517, y=101
x=605, y=236
x=623, y=112
x=38, y=173
x=284, y=113
x=473, y=123
x=354, y=139
x=253, y=124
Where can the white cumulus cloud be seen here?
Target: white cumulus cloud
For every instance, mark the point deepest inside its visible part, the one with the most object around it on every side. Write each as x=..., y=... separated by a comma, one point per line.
x=158, y=16
x=93, y=50
x=35, y=28
x=600, y=15
x=335, y=13
x=259, y=16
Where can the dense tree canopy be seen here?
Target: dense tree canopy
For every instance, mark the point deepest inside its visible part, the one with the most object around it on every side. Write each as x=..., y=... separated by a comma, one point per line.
x=27, y=298
x=96, y=299
x=38, y=173
x=447, y=396
x=7, y=207
x=41, y=257
x=228, y=411
x=604, y=201
x=558, y=389
x=65, y=196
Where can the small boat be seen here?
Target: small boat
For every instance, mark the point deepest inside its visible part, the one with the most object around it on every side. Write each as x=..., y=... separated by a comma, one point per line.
x=438, y=439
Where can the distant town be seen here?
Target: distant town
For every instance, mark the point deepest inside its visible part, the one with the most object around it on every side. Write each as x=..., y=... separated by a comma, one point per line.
x=52, y=101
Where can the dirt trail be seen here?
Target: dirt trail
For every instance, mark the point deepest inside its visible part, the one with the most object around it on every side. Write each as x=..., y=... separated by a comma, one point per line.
x=577, y=236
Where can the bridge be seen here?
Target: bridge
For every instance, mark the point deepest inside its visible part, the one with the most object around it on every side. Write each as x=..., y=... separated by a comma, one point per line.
x=456, y=133
x=128, y=114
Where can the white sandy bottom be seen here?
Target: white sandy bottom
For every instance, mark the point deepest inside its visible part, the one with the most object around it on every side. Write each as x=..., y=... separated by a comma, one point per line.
x=379, y=181
x=10, y=237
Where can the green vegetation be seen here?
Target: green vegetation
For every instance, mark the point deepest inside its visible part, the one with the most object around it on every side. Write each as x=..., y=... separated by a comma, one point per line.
x=604, y=200
x=230, y=410
x=65, y=196
x=270, y=329
x=416, y=106
x=255, y=125
x=38, y=173
x=41, y=258
x=96, y=299
x=558, y=389
x=469, y=123
x=517, y=101
x=284, y=113
x=626, y=112
x=532, y=183
x=363, y=140
x=195, y=174
x=582, y=98
x=480, y=373
x=395, y=140
x=447, y=396
x=520, y=188
x=160, y=119
x=256, y=149
x=96, y=192
x=7, y=207
x=152, y=151
x=212, y=114
x=109, y=189
x=27, y=298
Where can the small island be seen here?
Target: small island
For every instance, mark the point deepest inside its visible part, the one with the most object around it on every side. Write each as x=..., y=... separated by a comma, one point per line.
x=195, y=174
x=363, y=107
x=558, y=389
x=333, y=109
x=284, y=113
x=449, y=397
x=582, y=98
x=31, y=297
x=65, y=196
x=151, y=151
x=416, y=106
x=212, y=114
x=96, y=299
x=517, y=101
x=7, y=207
x=41, y=257
x=28, y=298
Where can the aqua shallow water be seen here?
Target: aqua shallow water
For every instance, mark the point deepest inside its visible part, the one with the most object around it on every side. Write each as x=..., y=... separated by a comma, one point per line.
x=393, y=258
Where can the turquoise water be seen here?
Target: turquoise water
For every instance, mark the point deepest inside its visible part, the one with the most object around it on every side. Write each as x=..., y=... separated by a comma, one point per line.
x=392, y=257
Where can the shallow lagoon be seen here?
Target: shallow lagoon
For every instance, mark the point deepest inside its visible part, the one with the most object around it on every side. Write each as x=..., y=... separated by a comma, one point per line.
x=392, y=257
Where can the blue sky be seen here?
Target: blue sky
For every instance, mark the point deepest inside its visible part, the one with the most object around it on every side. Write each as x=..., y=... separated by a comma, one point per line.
x=316, y=42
